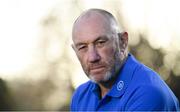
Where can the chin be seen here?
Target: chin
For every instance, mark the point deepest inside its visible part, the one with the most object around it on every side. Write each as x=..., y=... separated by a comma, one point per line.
x=106, y=77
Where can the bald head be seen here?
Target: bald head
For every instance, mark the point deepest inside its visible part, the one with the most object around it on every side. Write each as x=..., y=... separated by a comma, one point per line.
x=97, y=18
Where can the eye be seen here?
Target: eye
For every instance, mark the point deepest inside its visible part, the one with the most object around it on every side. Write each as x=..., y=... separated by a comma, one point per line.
x=81, y=47
x=101, y=43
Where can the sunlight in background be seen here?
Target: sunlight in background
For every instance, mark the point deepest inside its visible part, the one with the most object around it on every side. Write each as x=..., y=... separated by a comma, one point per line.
x=92, y=3
x=159, y=20
x=163, y=20
x=19, y=26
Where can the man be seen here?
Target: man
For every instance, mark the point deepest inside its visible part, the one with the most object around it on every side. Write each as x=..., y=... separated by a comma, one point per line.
x=118, y=82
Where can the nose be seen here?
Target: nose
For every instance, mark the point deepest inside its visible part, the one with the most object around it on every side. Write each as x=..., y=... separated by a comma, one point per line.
x=93, y=55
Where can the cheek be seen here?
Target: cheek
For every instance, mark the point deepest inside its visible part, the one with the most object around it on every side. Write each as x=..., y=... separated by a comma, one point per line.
x=108, y=54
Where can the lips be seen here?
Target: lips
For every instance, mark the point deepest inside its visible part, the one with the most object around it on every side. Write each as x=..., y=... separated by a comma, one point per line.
x=97, y=69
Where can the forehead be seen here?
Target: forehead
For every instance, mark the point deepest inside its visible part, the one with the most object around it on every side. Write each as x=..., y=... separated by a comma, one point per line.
x=87, y=29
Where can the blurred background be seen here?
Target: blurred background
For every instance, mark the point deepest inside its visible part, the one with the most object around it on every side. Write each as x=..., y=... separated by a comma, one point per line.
x=39, y=69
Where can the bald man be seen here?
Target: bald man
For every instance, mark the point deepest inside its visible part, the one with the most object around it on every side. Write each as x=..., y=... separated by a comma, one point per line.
x=118, y=82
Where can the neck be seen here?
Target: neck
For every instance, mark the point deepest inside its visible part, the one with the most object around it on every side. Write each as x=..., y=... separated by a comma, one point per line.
x=107, y=85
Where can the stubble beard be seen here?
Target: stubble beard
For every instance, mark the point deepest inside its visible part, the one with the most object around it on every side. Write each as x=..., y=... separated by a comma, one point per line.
x=110, y=74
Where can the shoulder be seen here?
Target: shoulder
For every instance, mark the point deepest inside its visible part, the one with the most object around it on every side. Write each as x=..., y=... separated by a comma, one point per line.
x=145, y=97
x=150, y=97
x=139, y=71
x=149, y=93
x=82, y=89
x=144, y=74
x=78, y=93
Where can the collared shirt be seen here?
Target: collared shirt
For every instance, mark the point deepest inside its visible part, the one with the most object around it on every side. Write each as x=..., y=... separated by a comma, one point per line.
x=136, y=88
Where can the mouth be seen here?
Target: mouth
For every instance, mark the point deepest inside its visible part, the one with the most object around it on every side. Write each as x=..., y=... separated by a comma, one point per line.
x=97, y=70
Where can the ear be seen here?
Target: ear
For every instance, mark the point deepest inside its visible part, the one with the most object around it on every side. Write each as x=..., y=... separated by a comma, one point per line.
x=123, y=41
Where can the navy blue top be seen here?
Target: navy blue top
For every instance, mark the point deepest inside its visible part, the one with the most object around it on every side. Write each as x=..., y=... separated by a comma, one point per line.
x=136, y=88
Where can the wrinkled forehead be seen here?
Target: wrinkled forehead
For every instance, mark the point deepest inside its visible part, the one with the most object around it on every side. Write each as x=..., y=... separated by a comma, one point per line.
x=92, y=24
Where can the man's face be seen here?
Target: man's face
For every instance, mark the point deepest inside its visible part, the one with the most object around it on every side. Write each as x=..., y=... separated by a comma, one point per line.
x=97, y=49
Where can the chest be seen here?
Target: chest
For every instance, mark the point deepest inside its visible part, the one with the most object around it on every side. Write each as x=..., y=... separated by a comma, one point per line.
x=93, y=103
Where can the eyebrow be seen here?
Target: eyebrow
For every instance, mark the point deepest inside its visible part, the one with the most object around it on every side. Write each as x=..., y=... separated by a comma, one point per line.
x=78, y=44
x=99, y=38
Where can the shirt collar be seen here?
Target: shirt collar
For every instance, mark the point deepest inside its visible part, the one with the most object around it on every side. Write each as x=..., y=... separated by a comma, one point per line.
x=124, y=77
x=95, y=89
x=123, y=80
